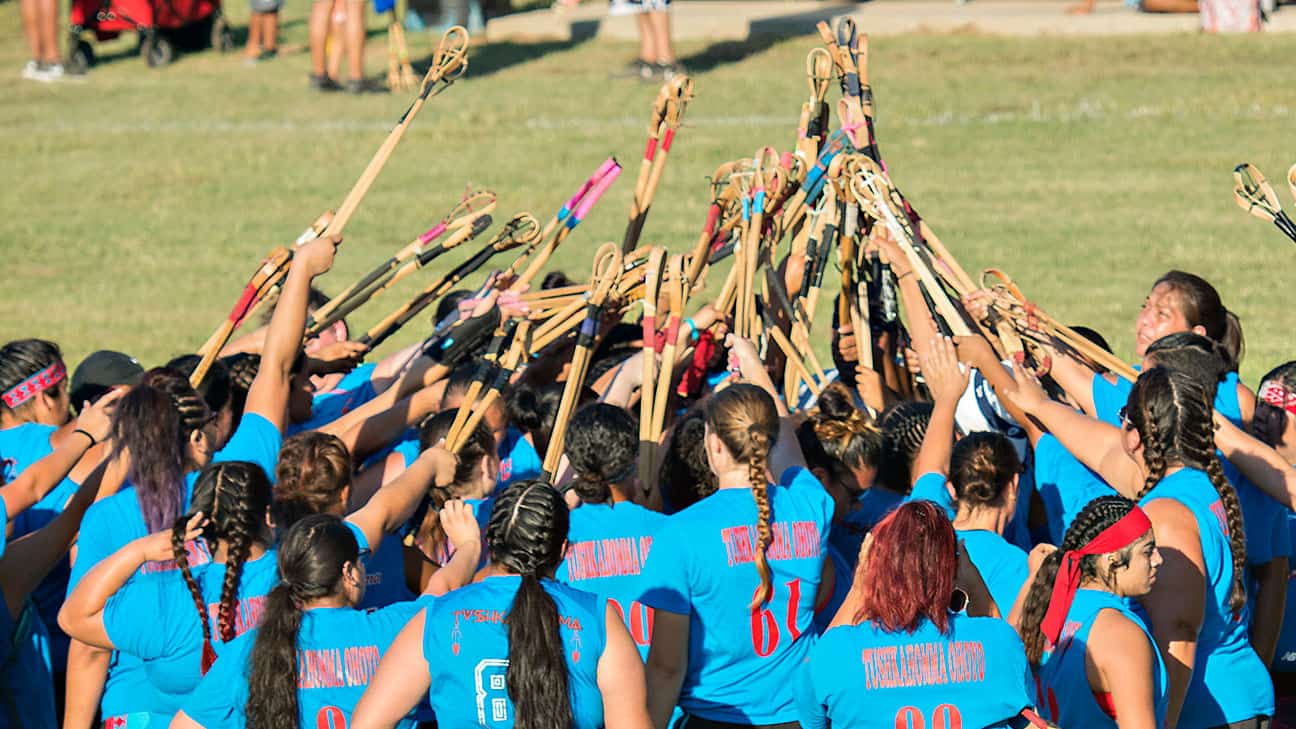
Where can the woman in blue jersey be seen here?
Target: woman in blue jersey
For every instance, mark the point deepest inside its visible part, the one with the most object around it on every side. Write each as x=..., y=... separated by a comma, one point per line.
x=610, y=536
x=1097, y=663
x=734, y=579
x=167, y=622
x=515, y=649
x=981, y=468
x=904, y=658
x=314, y=653
x=166, y=433
x=1164, y=456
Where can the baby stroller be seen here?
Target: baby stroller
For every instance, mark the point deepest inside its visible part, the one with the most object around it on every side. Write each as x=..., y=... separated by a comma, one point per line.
x=163, y=27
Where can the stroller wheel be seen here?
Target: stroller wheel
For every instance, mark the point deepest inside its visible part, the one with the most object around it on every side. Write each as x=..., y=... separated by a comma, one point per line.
x=81, y=58
x=222, y=39
x=157, y=50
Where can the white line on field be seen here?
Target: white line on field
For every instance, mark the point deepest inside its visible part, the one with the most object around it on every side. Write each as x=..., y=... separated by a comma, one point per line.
x=1083, y=110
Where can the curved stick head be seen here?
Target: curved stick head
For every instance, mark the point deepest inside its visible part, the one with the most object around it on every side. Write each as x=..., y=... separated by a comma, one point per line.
x=846, y=31
x=1254, y=194
x=680, y=93
x=450, y=59
x=819, y=67
x=523, y=229
x=606, y=271
x=482, y=201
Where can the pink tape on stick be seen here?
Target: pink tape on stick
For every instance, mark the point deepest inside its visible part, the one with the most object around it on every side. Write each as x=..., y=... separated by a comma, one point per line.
x=432, y=234
x=599, y=174
x=588, y=201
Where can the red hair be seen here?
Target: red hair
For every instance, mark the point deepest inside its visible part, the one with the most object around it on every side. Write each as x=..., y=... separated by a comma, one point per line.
x=909, y=572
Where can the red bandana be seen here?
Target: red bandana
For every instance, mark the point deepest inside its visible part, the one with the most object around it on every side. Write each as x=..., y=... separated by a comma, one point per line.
x=34, y=385
x=1278, y=396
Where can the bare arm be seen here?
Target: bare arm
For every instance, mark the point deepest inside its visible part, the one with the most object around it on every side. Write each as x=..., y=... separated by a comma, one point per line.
x=1269, y=606
x=42, y=476
x=395, y=503
x=1177, y=601
x=370, y=435
x=667, y=662
x=621, y=679
x=947, y=381
x=268, y=395
x=460, y=526
x=1258, y=462
x=86, y=674
x=1120, y=657
x=422, y=374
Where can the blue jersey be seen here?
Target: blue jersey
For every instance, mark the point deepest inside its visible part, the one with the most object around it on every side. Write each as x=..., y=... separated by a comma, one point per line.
x=385, y=575
x=352, y=391
x=111, y=523
x=843, y=573
x=742, y=662
x=154, y=619
x=1064, y=484
x=847, y=535
x=465, y=643
x=518, y=460
x=26, y=683
x=20, y=447
x=935, y=488
x=338, y=651
x=1285, y=655
x=1229, y=683
x=607, y=546
x=1065, y=697
x=1003, y=565
x=973, y=676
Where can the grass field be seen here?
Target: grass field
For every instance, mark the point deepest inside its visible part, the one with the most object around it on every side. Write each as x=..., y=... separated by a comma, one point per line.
x=138, y=201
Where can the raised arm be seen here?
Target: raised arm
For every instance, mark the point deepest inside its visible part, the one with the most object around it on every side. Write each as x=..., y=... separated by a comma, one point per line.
x=370, y=435
x=946, y=380
x=268, y=395
x=461, y=528
x=92, y=426
x=81, y=616
x=1094, y=443
x=1257, y=461
x=396, y=502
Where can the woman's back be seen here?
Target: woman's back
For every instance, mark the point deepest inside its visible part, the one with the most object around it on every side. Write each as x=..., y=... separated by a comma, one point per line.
x=741, y=663
x=862, y=676
x=1229, y=682
x=338, y=651
x=465, y=643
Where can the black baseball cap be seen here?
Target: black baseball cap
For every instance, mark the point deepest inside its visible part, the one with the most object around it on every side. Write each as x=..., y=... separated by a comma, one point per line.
x=100, y=372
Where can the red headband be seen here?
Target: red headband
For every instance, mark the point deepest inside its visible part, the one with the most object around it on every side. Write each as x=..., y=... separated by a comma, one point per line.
x=1280, y=397
x=1117, y=536
x=34, y=385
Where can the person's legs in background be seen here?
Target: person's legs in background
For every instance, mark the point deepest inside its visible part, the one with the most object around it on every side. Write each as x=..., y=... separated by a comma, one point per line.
x=663, y=58
x=40, y=26
x=321, y=17
x=253, y=49
x=355, y=43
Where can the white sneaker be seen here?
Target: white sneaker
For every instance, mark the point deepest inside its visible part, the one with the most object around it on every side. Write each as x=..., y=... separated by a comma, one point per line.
x=30, y=70
x=48, y=72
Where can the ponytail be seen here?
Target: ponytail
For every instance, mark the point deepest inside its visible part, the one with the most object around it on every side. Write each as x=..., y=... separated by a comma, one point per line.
x=272, y=683
x=1036, y=606
x=537, y=670
x=526, y=533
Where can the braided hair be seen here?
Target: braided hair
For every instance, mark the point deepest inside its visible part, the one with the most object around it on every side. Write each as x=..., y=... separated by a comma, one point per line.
x=313, y=470
x=1173, y=416
x=903, y=428
x=1092, y=520
x=685, y=477
x=234, y=496
x=479, y=444
x=23, y=358
x=839, y=438
x=746, y=421
x=313, y=556
x=153, y=423
x=525, y=535
x=602, y=448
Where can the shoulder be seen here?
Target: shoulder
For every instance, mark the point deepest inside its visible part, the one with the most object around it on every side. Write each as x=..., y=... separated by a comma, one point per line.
x=1116, y=639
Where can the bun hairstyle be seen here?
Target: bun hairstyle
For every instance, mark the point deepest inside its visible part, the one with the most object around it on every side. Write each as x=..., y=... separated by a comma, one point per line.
x=602, y=447
x=838, y=437
x=983, y=466
x=1092, y=520
x=215, y=387
x=526, y=533
x=1173, y=416
x=314, y=469
x=153, y=422
x=745, y=419
x=313, y=555
x=1201, y=305
x=685, y=476
x=479, y=444
x=903, y=427
x=23, y=358
x=1202, y=359
x=234, y=496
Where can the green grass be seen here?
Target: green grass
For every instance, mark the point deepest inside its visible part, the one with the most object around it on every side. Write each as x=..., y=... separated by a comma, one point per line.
x=138, y=201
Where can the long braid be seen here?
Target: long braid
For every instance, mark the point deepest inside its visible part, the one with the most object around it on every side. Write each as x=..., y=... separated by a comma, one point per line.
x=1199, y=452
x=757, y=465
x=181, y=555
x=1154, y=460
x=240, y=532
x=1095, y=517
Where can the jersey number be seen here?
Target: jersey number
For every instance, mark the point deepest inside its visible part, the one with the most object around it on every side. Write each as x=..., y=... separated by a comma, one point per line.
x=330, y=717
x=1047, y=702
x=764, y=624
x=640, y=622
x=491, y=677
x=945, y=716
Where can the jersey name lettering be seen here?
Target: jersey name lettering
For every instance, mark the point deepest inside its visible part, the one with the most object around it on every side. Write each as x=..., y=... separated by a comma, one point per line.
x=337, y=667
x=618, y=557
x=924, y=664
x=792, y=540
